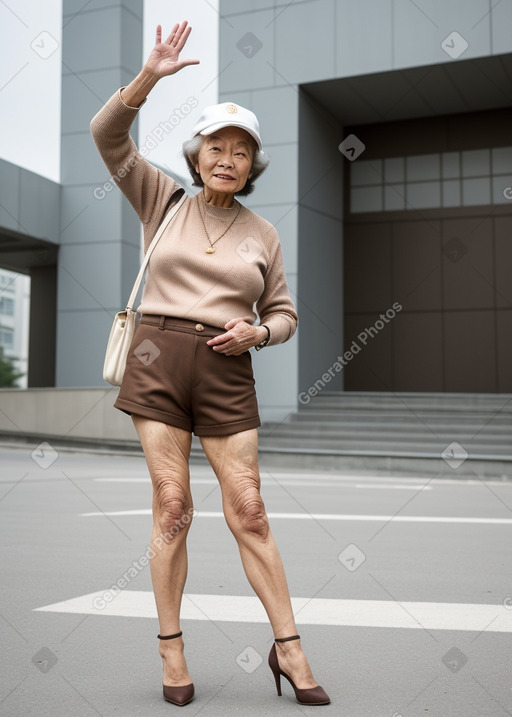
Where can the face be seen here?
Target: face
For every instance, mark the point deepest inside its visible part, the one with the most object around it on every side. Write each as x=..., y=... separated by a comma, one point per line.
x=225, y=160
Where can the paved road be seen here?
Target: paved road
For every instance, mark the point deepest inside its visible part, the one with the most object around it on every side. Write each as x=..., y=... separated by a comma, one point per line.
x=401, y=587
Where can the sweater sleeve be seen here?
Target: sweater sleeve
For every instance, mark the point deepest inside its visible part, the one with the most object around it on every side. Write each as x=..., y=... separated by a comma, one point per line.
x=146, y=187
x=275, y=307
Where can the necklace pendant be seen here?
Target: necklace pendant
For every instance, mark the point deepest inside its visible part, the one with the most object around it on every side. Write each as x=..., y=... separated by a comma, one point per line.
x=210, y=250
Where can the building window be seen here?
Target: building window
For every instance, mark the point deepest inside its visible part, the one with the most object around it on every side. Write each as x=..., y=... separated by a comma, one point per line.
x=428, y=181
x=6, y=306
x=6, y=339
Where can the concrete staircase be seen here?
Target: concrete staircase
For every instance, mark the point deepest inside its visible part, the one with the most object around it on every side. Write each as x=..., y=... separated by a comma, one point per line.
x=355, y=432
x=405, y=433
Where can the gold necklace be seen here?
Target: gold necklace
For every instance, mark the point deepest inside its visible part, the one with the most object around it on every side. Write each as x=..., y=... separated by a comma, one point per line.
x=211, y=248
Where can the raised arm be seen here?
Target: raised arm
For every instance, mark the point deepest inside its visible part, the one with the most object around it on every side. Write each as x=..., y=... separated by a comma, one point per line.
x=147, y=188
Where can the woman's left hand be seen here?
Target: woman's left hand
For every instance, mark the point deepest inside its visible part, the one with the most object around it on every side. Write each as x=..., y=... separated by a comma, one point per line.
x=239, y=337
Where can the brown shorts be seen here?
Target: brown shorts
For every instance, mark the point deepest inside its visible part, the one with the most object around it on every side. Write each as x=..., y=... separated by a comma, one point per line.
x=173, y=376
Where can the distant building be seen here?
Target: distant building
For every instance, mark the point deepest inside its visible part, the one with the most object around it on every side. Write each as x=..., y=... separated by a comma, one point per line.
x=14, y=320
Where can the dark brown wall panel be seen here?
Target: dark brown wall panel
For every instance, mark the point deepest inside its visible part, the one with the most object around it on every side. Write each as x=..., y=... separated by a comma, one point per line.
x=418, y=352
x=503, y=261
x=370, y=369
x=468, y=271
x=417, y=265
x=469, y=351
x=504, y=350
x=367, y=258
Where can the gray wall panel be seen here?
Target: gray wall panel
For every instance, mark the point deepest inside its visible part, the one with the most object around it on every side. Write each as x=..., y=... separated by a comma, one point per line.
x=239, y=97
x=305, y=42
x=110, y=28
x=131, y=53
x=246, y=52
x=419, y=30
x=86, y=219
x=281, y=172
x=277, y=111
x=364, y=36
x=320, y=245
x=284, y=218
x=81, y=162
x=90, y=276
x=90, y=91
x=276, y=371
x=39, y=203
x=130, y=262
x=74, y=7
x=320, y=298
x=501, y=22
x=81, y=341
x=234, y=7
x=10, y=202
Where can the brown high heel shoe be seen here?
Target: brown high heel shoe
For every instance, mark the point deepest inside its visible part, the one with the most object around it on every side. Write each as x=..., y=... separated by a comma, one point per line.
x=310, y=696
x=180, y=695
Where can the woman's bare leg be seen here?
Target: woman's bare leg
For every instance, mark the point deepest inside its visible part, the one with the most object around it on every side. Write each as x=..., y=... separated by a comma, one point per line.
x=167, y=451
x=234, y=460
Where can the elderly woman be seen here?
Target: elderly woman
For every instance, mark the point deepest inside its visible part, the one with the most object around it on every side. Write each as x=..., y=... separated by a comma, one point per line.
x=192, y=373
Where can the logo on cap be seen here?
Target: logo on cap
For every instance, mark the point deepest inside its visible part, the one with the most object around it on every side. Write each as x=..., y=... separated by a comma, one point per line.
x=232, y=109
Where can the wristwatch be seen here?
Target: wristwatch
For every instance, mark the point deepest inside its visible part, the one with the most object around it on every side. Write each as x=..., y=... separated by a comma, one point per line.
x=265, y=341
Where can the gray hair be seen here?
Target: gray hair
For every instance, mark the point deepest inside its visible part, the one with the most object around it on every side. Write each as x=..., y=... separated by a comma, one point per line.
x=191, y=150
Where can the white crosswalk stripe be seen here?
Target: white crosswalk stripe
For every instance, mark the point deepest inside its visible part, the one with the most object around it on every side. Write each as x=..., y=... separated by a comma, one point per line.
x=308, y=611
x=330, y=516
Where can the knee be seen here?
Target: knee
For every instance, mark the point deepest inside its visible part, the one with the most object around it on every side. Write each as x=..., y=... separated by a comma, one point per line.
x=172, y=506
x=247, y=506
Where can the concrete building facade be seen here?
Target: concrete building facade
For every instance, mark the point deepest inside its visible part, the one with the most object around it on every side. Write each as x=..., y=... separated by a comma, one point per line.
x=390, y=186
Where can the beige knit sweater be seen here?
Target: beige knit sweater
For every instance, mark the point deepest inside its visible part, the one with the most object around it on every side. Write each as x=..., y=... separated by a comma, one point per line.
x=245, y=275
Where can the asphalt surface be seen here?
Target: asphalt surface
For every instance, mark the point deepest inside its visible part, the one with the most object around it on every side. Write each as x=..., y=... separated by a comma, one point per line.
x=65, y=536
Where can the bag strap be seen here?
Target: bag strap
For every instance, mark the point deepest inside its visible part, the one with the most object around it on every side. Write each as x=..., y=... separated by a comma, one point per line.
x=153, y=244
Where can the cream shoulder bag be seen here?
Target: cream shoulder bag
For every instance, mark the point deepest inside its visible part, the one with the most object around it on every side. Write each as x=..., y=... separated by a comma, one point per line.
x=123, y=328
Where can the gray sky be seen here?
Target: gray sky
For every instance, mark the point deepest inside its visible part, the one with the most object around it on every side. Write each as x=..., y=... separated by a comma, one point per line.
x=197, y=82
x=30, y=81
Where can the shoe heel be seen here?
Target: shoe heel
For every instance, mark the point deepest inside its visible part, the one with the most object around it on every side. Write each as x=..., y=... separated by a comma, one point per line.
x=274, y=666
x=277, y=678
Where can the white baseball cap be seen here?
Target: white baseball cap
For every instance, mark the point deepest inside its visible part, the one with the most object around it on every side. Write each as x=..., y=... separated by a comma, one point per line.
x=228, y=114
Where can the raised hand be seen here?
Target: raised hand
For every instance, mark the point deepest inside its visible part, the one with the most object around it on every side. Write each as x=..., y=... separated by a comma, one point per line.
x=164, y=58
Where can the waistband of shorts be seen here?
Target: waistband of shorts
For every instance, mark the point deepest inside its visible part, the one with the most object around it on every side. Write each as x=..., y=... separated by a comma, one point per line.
x=188, y=326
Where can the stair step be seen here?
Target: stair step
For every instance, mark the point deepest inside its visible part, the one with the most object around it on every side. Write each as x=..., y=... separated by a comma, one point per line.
x=381, y=447
x=504, y=407
x=324, y=424
x=392, y=438
x=428, y=401
x=370, y=437
x=407, y=416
